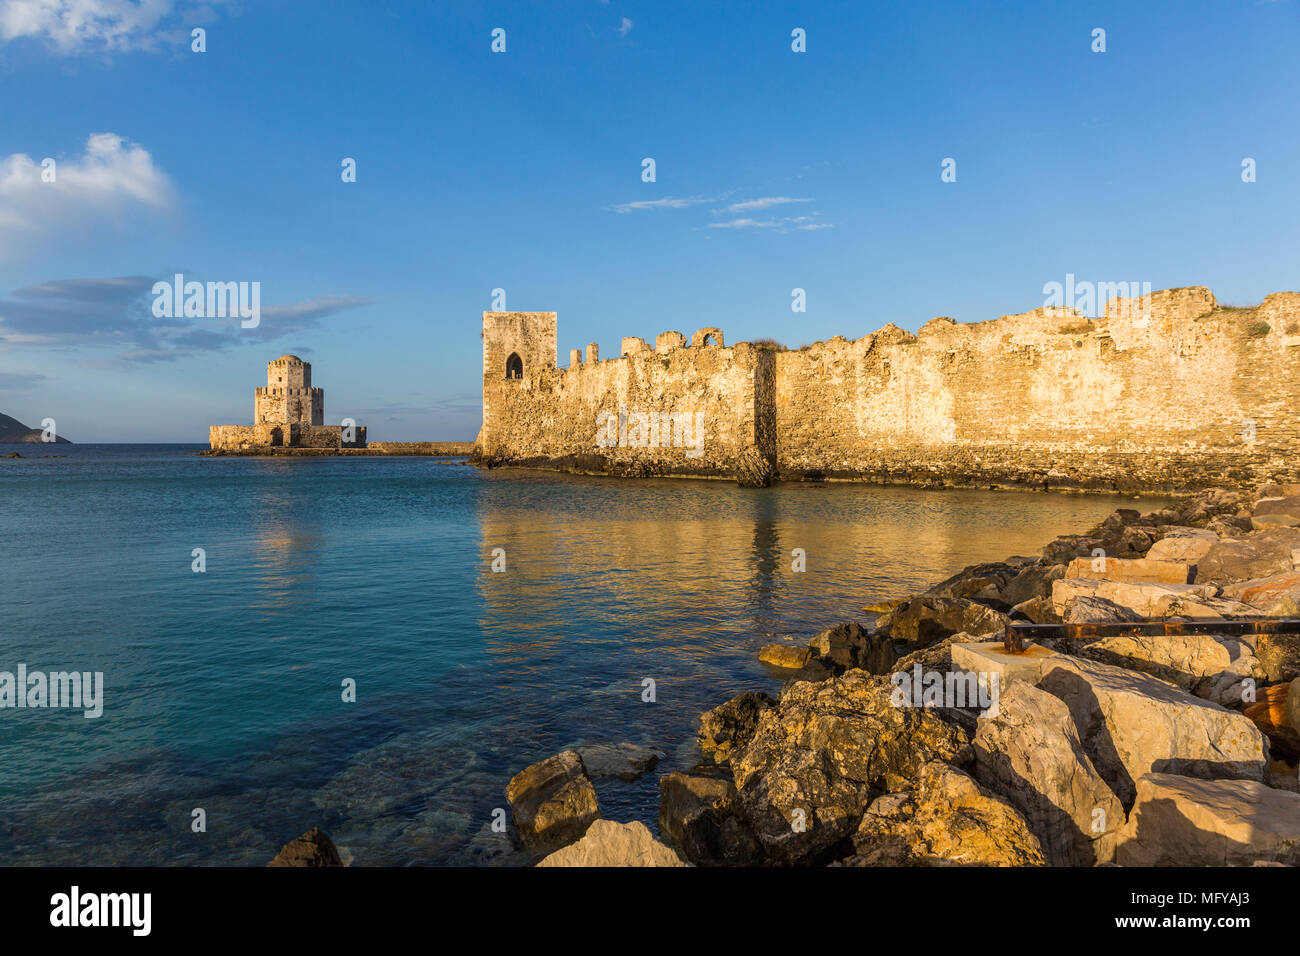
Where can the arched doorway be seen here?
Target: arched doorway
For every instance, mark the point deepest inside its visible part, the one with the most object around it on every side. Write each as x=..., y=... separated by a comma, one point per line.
x=514, y=366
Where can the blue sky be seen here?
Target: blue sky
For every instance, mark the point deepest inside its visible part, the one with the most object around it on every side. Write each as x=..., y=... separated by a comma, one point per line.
x=522, y=170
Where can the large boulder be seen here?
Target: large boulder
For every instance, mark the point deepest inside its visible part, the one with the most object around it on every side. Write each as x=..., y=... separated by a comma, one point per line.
x=623, y=761
x=924, y=620
x=1090, y=609
x=1208, y=666
x=1132, y=724
x=816, y=760
x=1186, y=545
x=1279, y=656
x=1293, y=706
x=849, y=645
x=699, y=814
x=1256, y=555
x=1277, y=595
x=946, y=820
x=1182, y=821
x=1149, y=599
x=1283, y=511
x=607, y=843
x=1034, y=581
x=730, y=726
x=1031, y=754
x=983, y=582
x=1129, y=569
x=553, y=801
x=313, y=848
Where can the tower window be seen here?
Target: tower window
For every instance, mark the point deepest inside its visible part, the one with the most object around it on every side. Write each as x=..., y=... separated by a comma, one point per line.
x=514, y=366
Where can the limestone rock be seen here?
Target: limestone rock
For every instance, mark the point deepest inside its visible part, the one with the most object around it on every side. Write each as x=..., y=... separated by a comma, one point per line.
x=623, y=761
x=1293, y=706
x=947, y=820
x=808, y=774
x=1129, y=569
x=699, y=814
x=1031, y=755
x=1187, y=545
x=1032, y=582
x=970, y=583
x=1255, y=555
x=553, y=802
x=1037, y=610
x=924, y=620
x=1203, y=664
x=1266, y=593
x=783, y=655
x=849, y=645
x=313, y=848
x=1090, y=609
x=730, y=726
x=1182, y=821
x=1132, y=724
x=1146, y=599
x=607, y=843
x=1279, y=655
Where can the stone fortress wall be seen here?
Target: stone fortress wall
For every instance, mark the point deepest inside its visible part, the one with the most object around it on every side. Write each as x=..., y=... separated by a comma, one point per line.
x=1165, y=392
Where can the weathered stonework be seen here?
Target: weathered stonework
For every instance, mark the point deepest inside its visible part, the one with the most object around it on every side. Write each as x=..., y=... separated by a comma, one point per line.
x=1167, y=392
x=287, y=413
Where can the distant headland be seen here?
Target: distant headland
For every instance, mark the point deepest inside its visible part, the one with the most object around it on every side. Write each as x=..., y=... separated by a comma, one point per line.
x=12, y=431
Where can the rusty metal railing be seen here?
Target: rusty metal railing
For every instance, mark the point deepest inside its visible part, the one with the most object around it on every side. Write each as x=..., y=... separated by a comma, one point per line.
x=1016, y=634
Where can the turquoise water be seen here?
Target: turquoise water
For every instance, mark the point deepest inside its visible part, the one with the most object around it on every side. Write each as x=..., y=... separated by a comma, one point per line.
x=223, y=689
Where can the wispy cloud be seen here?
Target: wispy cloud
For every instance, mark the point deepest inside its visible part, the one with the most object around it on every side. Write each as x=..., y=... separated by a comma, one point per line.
x=19, y=381
x=111, y=177
x=667, y=202
x=625, y=27
x=766, y=202
x=76, y=26
x=781, y=224
x=117, y=313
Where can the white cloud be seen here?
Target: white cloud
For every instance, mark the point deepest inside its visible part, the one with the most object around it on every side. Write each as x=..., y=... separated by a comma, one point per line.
x=73, y=26
x=111, y=176
x=765, y=202
x=666, y=203
x=625, y=27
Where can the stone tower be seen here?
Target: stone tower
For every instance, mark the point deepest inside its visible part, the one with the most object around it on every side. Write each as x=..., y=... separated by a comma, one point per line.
x=288, y=398
x=515, y=345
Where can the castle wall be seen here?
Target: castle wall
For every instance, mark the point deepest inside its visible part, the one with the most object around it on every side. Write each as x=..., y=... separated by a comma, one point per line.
x=1162, y=392
x=1166, y=392
x=677, y=411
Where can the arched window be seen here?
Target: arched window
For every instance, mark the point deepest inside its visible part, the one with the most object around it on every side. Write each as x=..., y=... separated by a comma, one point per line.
x=514, y=366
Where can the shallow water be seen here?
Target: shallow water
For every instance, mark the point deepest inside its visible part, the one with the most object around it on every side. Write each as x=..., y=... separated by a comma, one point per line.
x=223, y=689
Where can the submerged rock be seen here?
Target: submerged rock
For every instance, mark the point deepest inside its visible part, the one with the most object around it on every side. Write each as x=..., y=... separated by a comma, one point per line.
x=783, y=655
x=553, y=802
x=622, y=761
x=730, y=726
x=810, y=770
x=607, y=843
x=946, y=820
x=1181, y=821
x=313, y=848
x=1030, y=754
x=699, y=814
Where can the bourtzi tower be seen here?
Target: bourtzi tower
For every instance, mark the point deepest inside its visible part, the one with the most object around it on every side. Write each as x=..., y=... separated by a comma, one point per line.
x=289, y=412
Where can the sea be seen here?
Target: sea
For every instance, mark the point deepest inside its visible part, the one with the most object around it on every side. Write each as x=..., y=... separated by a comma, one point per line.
x=375, y=646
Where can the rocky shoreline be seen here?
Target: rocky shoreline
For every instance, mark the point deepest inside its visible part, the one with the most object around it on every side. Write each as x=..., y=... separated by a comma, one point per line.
x=921, y=740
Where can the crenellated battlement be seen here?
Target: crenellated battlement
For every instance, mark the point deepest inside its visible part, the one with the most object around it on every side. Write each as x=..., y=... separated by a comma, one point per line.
x=1164, y=390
